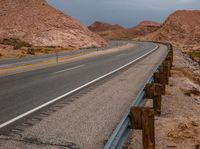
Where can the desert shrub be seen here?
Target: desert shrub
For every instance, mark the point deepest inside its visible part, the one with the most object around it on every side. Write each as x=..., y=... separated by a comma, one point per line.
x=46, y=50
x=16, y=43
x=1, y=54
x=42, y=50
x=31, y=51
x=50, y=47
x=195, y=55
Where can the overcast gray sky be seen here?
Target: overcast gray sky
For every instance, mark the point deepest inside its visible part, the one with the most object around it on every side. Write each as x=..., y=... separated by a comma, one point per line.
x=127, y=13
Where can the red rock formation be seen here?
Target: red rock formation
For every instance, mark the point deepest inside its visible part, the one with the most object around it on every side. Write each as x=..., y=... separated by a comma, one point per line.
x=181, y=27
x=144, y=28
x=102, y=26
x=36, y=22
x=110, y=32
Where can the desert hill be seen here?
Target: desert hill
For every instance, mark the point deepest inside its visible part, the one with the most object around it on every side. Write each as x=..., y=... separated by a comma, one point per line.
x=109, y=32
x=181, y=27
x=144, y=28
x=102, y=26
x=39, y=24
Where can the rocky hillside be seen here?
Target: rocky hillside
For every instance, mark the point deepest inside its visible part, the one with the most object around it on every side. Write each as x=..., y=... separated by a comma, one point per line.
x=39, y=24
x=181, y=27
x=144, y=28
x=109, y=32
x=102, y=26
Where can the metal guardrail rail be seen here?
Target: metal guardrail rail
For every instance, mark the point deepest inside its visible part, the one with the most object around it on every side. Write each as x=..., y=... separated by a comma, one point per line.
x=121, y=133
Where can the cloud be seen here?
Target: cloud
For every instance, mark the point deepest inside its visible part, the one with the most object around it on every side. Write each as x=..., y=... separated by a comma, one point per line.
x=124, y=12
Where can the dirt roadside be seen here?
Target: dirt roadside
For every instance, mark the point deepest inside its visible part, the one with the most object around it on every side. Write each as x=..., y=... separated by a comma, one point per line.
x=63, y=60
x=179, y=124
x=87, y=119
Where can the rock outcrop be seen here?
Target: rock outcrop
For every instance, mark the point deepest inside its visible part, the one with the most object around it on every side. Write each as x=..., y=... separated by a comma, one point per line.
x=39, y=24
x=102, y=26
x=109, y=32
x=144, y=28
x=181, y=27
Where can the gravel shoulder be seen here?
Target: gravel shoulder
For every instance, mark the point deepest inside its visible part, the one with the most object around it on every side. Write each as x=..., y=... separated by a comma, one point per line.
x=179, y=124
x=87, y=119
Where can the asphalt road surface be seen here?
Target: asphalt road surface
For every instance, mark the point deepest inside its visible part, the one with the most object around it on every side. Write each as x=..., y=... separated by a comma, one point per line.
x=7, y=63
x=23, y=92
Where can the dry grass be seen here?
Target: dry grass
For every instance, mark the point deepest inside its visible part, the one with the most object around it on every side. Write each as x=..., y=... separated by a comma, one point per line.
x=184, y=131
x=16, y=43
x=184, y=72
x=192, y=92
x=195, y=55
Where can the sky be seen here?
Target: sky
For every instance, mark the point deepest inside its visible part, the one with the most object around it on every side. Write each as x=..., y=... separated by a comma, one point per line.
x=127, y=13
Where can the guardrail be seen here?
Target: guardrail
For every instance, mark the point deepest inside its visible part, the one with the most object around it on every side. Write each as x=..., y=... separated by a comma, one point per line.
x=140, y=117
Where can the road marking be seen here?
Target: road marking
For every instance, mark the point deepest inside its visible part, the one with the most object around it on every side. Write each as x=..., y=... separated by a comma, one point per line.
x=77, y=89
x=68, y=69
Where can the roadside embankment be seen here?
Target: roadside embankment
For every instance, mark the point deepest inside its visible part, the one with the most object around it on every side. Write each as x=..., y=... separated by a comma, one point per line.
x=179, y=124
x=88, y=118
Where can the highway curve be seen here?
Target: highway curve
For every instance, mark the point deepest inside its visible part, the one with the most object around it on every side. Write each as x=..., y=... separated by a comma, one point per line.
x=24, y=93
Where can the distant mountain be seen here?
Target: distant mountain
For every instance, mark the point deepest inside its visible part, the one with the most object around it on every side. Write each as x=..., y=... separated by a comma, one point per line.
x=102, y=26
x=181, y=27
x=38, y=23
x=109, y=32
x=144, y=28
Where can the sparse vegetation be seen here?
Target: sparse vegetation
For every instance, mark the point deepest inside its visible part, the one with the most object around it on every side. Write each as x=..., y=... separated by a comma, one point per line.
x=193, y=91
x=195, y=55
x=90, y=47
x=16, y=43
x=44, y=50
x=31, y=51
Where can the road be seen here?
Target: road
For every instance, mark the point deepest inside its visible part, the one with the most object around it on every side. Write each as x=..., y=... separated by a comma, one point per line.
x=23, y=92
x=8, y=63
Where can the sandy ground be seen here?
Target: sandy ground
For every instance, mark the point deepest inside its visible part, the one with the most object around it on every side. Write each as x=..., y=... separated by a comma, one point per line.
x=179, y=124
x=86, y=119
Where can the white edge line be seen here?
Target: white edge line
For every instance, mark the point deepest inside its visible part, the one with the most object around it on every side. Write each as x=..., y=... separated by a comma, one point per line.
x=79, y=88
x=72, y=68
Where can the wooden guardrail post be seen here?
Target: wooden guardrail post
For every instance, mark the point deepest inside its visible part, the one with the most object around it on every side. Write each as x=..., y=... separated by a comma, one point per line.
x=171, y=53
x=166, y=71
x=164, y=76
x=159, y=77
x=153, y=91
x=136, y=118
x=143, y=118
x=148, y=135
